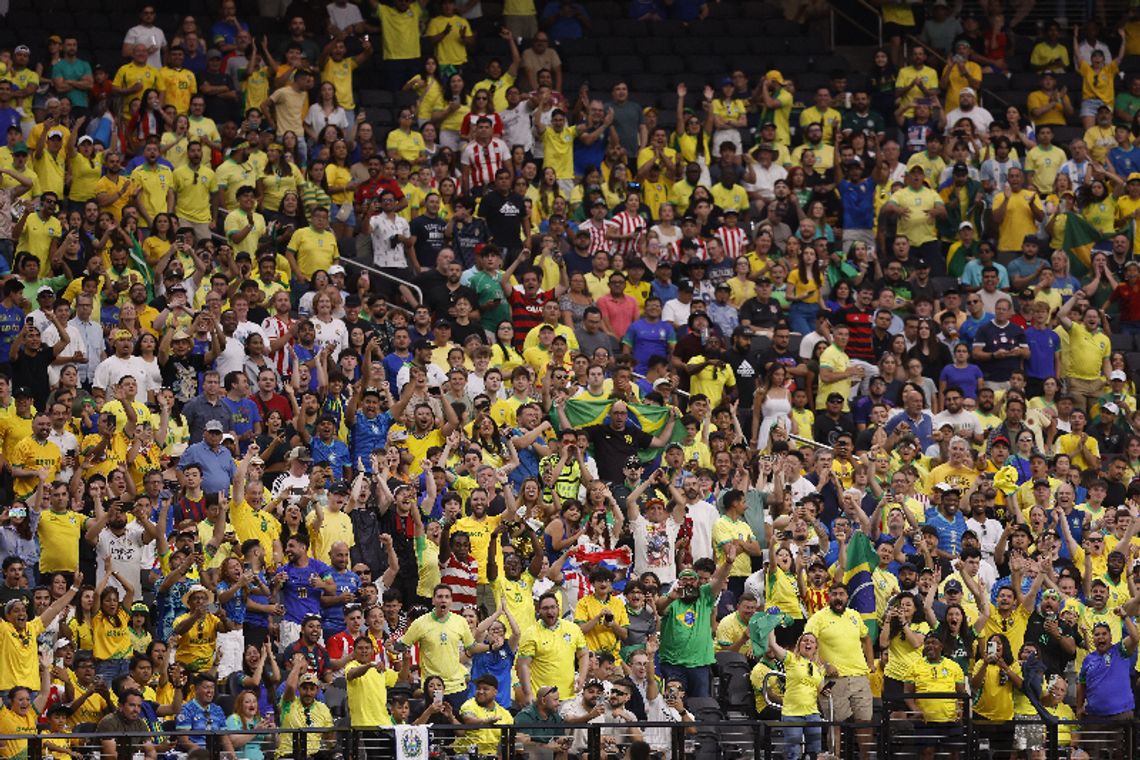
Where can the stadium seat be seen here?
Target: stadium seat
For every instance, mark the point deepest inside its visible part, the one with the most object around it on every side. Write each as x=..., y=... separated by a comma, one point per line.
x=734, y=687
x=1122, y=341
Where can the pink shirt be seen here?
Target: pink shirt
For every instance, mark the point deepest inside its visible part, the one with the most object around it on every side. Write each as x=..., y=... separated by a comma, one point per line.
x=619, y=313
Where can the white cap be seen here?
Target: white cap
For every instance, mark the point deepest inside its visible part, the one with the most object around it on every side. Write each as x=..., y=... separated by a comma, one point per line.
x=1110, y=407
x=336, y=269
x=1117, y=374
x=964, y=225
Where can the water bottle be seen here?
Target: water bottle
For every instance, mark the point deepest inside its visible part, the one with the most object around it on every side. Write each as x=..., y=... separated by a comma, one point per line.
x=138, y=756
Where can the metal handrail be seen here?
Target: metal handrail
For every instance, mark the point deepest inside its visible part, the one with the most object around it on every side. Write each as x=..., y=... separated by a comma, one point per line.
x=850, y=20
x=374, y=270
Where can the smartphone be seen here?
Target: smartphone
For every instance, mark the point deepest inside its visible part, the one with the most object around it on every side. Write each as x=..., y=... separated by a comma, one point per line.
x=29, y=321
x=829, y=685
x=992, y=649
x=18, y=512
x=437, y=698
x=197, y=547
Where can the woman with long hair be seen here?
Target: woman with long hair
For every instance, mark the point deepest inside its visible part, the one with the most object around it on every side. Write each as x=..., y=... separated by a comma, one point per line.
x=449, y=113
x=772, y=405
x=901, y=636
x=281, y=176
x=575, y=301
x=741, y=284
x=966, y=376
x=258, y=361
x=146, y=352
x=805, y=292
x=805, y=674
x=314, y=190
x=428, y=90
x=325, y=111
x=932, y=352
x=341, y=186
x=160, y=239
x=783, y=583
x=148, y=120
x=18, y=538
x=504, y=353
x=1098, y=207
x=110, y=625
x=1022, y=136
x=245, y=722
x=564, y=531
x=86, y=167
x=486, y=433
x=481, y=106
x=841, y=297
x=691, y=138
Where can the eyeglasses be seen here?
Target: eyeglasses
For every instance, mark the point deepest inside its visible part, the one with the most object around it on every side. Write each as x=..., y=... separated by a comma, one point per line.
x=618, y=693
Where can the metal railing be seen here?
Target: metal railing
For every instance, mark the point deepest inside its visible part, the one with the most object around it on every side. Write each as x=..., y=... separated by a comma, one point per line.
x=739, y=737
x=356, y=262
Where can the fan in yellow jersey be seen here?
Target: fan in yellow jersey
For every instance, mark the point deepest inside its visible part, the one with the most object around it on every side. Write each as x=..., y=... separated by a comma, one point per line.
x=86, y=167
x=134, y=78
x=244, y=226
x=935, y=674
x=314, y=247
x=337, y=67
x=194, y=187
x=202, y=127
x=36, y=460
x=176, y=84
x=156, y=181
x=234, y=173
x=114, y=190
x=483, y=710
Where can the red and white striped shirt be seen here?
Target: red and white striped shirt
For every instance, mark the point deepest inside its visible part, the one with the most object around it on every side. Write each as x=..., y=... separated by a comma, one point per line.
x=485, y=160
x=626, y=223
x=274, y=328
x=598, y=239
x=461, y=577
x=733, y=240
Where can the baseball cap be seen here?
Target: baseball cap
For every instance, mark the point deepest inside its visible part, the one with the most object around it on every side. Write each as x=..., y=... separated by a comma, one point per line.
x=44, y=289
x=1109, y=407
x=310, y=678
x=336, y=269
x=952, y=587
x=299, y=452
x=1041, y=482
x=181, y=334
x=1117, y=374
x=999, y=439
x=122, y=334
x=213, y=426
x=688, y=572
x=834, y=397
x=961, y=168
x=1134, y=177
x=214, y=53
x=967, y=91
x=775, y=76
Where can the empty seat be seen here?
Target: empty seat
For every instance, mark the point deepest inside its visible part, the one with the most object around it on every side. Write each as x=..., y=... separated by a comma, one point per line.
x=624, y=64
x=665, y=64
x=995, y=82
x=1122, y=342
x=653, y=46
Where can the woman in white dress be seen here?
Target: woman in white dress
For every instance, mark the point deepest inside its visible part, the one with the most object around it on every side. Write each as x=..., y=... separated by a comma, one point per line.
x=771, y=406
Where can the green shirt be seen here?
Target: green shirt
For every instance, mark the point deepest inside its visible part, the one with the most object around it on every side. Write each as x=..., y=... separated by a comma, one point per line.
x=1126, y=102
x=685, y=631
x=73, y=70
x=489, y=291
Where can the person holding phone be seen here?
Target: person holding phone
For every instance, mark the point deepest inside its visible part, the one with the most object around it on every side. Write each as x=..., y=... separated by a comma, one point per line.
x=805, y=676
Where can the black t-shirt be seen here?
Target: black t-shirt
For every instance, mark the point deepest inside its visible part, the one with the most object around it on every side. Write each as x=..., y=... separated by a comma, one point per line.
x=460, y=333
x=771, y=356
x=504, y=215
x=1052, y=655
x=747, y=367
x=827, y=429
x=613, y=447
x=759, y=313
x=467, y=235
x=181, y=373
x=30, y=371
x=430, y=239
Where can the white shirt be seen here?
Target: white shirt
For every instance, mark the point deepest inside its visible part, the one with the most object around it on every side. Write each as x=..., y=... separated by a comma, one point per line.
x=704, y=517
x=385, y=255
x=435, y=376
x=286, y=481
x=962, y=422
x=124, y=552
x=808, y=344
x=654, y=548
x=988, y=533
x=66, y=441
x=318, y=119
x=1085, y=50
x=980, y=116
x=50, y=337
x=765, y=181
x=148, y=377
x=332, y=333
x=232, y=357
x=112, y=369
x=989, y=300
x=676, y=313
x=247, y=328
x=151, y=36
x=344, y=16
x=517, y=125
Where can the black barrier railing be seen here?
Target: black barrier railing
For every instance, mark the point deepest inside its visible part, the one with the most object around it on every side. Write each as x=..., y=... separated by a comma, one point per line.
x=895, y=736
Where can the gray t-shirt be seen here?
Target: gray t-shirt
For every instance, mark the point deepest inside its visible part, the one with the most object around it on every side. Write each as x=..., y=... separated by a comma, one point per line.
x=627, y=121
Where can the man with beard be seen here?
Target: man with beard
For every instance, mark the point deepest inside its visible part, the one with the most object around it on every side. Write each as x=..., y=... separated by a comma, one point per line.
x=686, y=618
x=120, y=542
x=614, y=443
x=912, y=419
x=310, y=649
x=845, y=643
x=746, y=366
x=441, y=284
x=935, y=674
x=302, y=581
x=1104, y=690
x=1056, y=640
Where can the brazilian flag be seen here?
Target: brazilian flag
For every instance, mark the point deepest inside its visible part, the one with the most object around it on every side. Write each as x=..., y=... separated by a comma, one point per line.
x=1080, y=237
x=651, y=419
x=862, y=559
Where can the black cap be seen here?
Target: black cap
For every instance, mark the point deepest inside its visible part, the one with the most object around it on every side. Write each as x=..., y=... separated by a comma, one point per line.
x=442, y=323
x=23, y=391
x=961, y=168
x=423, y=344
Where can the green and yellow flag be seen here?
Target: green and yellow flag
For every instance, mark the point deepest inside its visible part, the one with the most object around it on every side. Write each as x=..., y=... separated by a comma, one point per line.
x=651, y=419
x=1080, y=237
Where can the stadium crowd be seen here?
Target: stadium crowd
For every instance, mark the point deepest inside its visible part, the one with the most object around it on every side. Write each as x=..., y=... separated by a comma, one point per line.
x=525, y=408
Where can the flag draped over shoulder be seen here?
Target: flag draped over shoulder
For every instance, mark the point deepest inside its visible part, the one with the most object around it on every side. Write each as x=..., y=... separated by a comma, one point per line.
x=582, y=413
x=862, y=559
x=1079, y=239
